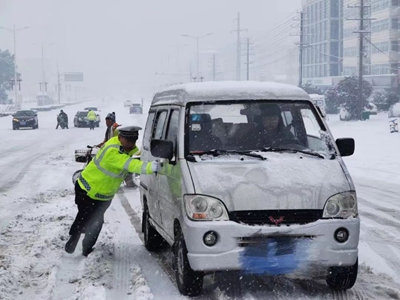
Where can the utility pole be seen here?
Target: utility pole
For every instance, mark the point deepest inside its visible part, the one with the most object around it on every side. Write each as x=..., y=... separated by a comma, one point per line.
x=361, y=31
x=248, y=62
x=15, y=69
x=197, y=38
x=301, y=49
x=58, y=88
x=213, y=67
x=238, y=48
x=361, y=56
x=302, y=44
x=44, y=87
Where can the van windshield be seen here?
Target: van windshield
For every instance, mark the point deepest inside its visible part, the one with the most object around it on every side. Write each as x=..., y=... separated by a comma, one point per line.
x=256, y=126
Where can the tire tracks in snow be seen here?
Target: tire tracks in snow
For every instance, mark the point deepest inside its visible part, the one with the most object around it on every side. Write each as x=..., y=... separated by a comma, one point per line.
x=164, y=258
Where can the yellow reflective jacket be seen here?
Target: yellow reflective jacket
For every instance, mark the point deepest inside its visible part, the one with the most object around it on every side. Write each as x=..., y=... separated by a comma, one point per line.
x=91, y=116
x=103, y=176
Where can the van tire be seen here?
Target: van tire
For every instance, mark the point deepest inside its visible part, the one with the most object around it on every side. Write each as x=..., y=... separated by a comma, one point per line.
x=190, y=282
x=342, y=278
x=153, y=241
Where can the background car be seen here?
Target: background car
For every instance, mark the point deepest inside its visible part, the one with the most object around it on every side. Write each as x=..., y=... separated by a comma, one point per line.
x=136, y=108
x=25, y=118
x=127, y=103
x=92, y=108
x=394, y=110
x=81, y=120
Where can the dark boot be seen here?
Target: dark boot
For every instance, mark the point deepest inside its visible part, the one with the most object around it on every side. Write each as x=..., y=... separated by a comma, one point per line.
x=72, y=242
x=86, y=252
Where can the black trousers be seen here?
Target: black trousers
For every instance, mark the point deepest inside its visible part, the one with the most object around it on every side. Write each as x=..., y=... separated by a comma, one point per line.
x=91, y=125
x=90, y=217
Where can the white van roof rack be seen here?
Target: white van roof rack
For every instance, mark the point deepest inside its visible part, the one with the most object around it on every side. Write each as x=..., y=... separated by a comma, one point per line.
x=228, y=90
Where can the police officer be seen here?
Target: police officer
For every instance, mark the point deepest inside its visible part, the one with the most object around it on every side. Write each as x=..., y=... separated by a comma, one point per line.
x=100, y=181
x=91, y=117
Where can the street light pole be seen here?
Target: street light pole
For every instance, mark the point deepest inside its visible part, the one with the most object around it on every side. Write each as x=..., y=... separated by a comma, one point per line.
x=44, y=83
x=15, y=69
x=197, y=38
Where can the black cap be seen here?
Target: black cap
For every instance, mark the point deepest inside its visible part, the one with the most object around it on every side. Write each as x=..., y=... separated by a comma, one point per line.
x=130, y=132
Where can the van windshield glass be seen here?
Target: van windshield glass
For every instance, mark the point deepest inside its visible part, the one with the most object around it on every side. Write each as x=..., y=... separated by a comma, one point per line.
x=256, y=126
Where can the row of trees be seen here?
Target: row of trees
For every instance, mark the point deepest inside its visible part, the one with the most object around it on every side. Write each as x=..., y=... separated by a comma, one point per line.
x=346, y=94
x=6, y=74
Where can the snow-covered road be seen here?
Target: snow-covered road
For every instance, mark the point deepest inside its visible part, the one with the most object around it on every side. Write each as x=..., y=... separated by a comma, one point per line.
x=37, y=208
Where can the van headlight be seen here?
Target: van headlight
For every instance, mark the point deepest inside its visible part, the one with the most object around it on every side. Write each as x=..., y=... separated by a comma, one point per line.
x=204, y=208
x=343, y=206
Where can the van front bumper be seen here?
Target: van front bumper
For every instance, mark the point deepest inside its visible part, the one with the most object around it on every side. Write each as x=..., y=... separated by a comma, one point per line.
x=310, y=246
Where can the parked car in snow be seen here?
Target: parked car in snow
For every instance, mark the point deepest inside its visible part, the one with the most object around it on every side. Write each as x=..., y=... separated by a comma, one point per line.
x=394, y=110
x=319, y=100
x=81, y=120
x=231, y=197
x=25, y=118
x=127, y=103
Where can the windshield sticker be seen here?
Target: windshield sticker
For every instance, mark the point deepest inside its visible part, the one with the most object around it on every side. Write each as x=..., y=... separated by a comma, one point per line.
x=196, y=127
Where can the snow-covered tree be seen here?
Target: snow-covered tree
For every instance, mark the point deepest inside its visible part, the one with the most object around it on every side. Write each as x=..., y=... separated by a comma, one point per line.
x=332, y=101
x=348, y=96
x=6, y=74
x=379, y=97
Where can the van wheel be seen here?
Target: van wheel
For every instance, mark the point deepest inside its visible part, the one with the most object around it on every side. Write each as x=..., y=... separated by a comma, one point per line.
x=342, y=278
x=190, y=282
x=153, y=241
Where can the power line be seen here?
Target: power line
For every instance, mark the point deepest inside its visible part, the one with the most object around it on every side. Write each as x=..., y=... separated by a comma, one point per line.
x=381, y=51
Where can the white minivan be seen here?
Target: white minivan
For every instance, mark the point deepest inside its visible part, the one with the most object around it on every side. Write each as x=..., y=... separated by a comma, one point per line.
x=252, y=181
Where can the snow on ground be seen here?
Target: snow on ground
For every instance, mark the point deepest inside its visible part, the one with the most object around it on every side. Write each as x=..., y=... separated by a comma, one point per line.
x=37, y=207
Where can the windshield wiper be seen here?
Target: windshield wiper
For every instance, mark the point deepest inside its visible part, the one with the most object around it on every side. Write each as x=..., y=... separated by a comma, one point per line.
x=217, y=152
x=272, y=149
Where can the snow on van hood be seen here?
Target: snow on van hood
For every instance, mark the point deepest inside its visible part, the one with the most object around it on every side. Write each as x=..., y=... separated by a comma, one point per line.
x=283, y=181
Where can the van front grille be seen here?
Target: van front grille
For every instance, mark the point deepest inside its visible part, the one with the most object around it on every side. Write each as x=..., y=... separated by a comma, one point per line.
x=276, y=217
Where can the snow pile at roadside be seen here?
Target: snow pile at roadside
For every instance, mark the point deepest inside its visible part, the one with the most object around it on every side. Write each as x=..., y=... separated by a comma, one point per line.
x=31, y=246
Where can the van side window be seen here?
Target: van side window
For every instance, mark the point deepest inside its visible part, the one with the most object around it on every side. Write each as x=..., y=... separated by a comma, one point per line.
x=159, y=125
x=173, y=124
x=287, y=119
x=147, y=131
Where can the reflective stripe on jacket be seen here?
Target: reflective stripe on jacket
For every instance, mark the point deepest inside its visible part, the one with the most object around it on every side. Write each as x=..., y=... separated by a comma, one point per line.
x=91, y=116
x=103, y=176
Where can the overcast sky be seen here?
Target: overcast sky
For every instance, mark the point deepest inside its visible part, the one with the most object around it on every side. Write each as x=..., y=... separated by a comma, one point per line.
x=126, y=41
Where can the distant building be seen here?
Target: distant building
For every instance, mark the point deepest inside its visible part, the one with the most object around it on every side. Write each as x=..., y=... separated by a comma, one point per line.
x=323, y=41
x=381, y=45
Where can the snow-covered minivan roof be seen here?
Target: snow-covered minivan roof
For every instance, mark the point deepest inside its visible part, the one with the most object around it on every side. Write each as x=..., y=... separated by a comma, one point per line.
x=228, y=90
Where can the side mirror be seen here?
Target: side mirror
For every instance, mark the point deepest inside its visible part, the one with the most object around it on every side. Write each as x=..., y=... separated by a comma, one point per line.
x=162, y=149
x=346, y=146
